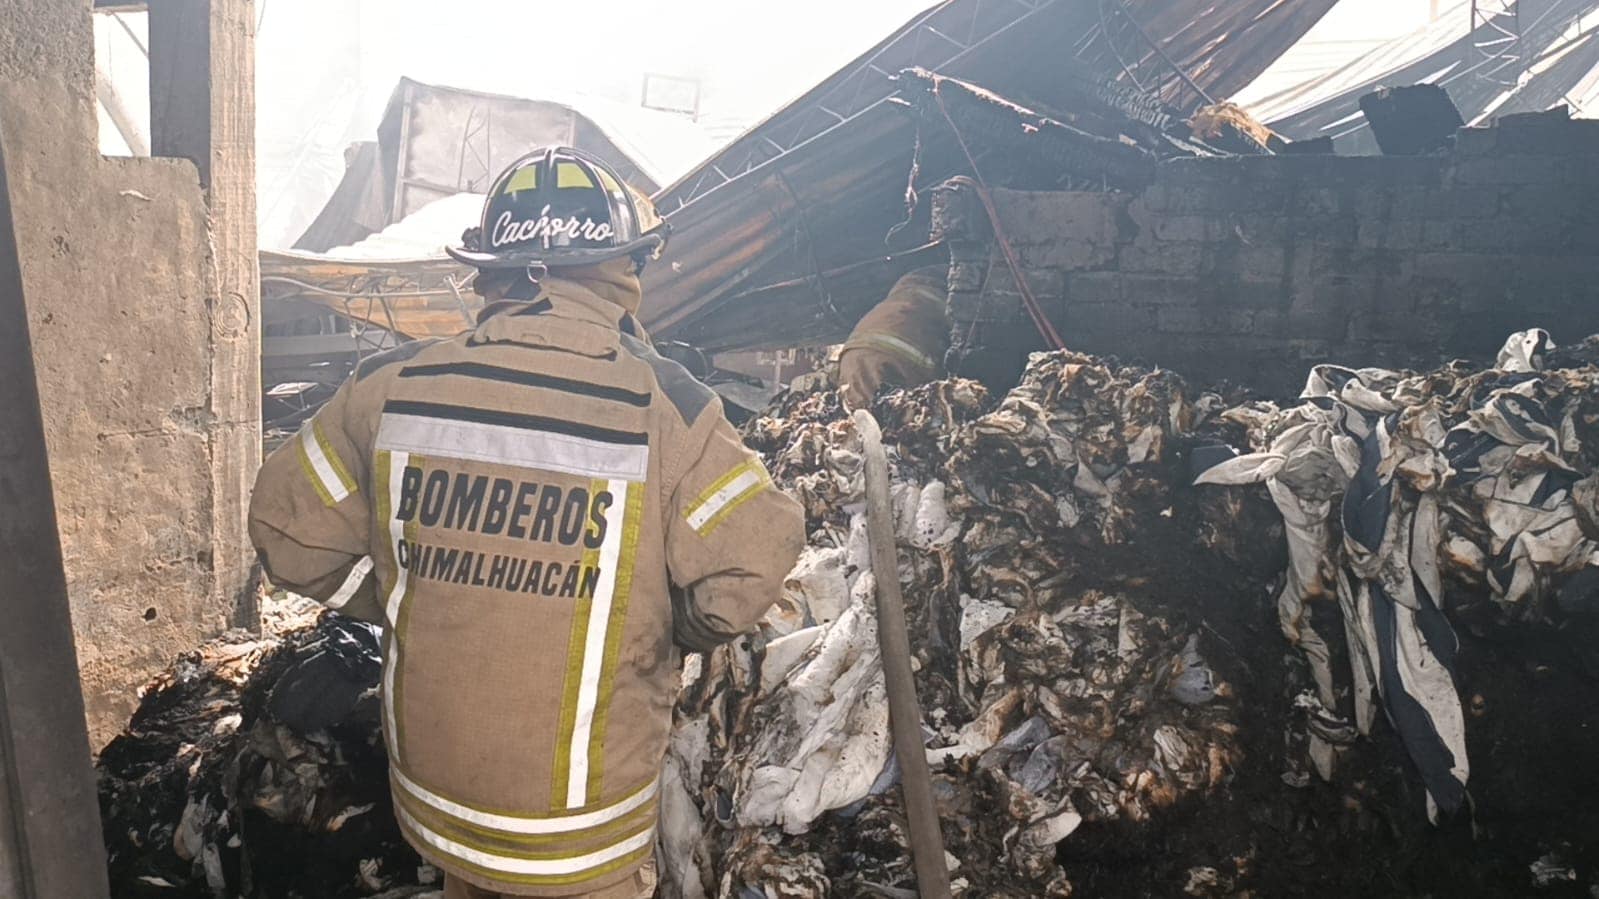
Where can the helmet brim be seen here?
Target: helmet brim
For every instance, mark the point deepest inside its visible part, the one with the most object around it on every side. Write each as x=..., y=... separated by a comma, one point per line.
x=556, y=257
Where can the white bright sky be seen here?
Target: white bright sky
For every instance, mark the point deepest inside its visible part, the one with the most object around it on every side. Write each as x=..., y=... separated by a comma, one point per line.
x=325, y=68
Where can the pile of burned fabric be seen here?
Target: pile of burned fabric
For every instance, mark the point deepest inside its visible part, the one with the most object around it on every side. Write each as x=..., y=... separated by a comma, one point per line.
x=1391, y=484
x=1054, y=698
x=1109, y=706
x=254, y=767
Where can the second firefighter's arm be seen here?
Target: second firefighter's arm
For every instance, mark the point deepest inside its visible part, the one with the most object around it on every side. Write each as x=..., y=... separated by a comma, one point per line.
x=732, y=537
x=310, y=514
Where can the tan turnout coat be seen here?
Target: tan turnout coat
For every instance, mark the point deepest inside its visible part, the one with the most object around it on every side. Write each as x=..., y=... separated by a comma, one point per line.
x=538, y=512
x=901, y=341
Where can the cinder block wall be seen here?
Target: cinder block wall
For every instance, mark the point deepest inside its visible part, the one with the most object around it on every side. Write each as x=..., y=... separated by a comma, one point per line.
x=1251, y=269
x=122, y=285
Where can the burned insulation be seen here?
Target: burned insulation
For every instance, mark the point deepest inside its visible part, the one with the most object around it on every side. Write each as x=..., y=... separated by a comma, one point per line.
x=1111, y=706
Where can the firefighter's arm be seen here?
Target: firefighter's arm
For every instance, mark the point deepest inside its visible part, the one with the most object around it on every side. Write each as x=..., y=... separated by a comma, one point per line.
x=732, y=536
x=310, y=515
x=860, y=376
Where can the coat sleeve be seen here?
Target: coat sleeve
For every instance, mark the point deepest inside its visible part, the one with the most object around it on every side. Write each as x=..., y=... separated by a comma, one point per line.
x=861, y=373
x=309, y=516
x=731, y=536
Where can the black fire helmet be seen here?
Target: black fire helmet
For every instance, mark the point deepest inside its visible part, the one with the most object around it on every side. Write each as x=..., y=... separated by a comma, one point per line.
x=559, y=206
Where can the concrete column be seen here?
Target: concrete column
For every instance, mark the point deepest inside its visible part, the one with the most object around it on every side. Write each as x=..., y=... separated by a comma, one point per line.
x=202, y=108
x=50, y=844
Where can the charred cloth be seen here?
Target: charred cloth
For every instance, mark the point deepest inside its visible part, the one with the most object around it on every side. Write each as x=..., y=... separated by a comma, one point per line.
x=1167, y=642
x=1110, y=706
x=255, y=768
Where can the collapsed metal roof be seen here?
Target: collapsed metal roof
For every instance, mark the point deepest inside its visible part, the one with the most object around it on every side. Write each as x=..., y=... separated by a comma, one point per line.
x=1479, y=63
x=779, y=239
x=436, y=141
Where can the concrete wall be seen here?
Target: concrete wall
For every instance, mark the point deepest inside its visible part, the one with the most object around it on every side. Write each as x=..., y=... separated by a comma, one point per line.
x=122, y=279
x=1252, y=269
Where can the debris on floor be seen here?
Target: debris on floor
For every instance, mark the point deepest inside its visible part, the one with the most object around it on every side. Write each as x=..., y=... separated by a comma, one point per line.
x=1111, y=708
x=1485, y=478
x=255, y=768
x=1094, y=646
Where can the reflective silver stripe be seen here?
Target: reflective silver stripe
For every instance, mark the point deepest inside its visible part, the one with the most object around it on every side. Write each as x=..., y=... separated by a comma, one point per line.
x=530, y=826
x=894, y=345
x=352, y=583
x=397, y=463
x=588, y=691
x=534, y=867
x=716, y=502
x=391, y=611
x=325, y=472
x=500, y=444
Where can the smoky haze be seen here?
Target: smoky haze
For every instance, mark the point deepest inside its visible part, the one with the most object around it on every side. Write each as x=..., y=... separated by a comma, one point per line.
x=325, y=68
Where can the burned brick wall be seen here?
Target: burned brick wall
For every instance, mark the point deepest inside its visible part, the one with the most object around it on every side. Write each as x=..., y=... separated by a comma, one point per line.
x=1250, y=268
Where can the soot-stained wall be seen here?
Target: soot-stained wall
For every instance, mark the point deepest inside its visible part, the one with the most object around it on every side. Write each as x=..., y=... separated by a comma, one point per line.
x=1251, y=269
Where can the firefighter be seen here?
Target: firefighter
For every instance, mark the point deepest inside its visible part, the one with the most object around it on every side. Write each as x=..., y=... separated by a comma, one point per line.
x=901, y=341
x=539, y=513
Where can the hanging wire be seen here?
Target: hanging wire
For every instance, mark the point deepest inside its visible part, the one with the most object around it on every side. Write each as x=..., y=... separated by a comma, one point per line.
x=1030, y=302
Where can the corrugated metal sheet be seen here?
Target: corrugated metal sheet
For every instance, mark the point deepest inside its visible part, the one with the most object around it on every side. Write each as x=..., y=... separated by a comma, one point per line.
x=437, y=142
x=441, y=141
x=1441, y=53
x=816, y=187
x=412, y=298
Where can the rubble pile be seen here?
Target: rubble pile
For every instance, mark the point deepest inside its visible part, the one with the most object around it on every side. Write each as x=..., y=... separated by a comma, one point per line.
x=1056, y=690
x=1390, y=483
x=1099, y=569
x=255, y=768
x=1106, y=704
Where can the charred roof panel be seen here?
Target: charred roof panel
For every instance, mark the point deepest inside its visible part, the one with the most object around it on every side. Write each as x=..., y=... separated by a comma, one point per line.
x=816, y=187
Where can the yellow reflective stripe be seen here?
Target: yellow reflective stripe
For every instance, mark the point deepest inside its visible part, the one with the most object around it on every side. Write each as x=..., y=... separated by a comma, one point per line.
x=586, y=651
x=588, y=694
x=632, y=523
x=352, y=583
x=717, y=485
x=548, y=845
x=632, y=860
x=339, y=471
x=894, y=346
x=572, y=680
x=311, y=474
x=389, y=471
x=728, y=493
x=732, y=506
x=333, y=483
x=381, y=466
x=540, y=868
x=514, y=822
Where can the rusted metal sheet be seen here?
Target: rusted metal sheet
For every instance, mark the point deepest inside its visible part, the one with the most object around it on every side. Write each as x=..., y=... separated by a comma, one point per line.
x=821, y=185
x=412, y=298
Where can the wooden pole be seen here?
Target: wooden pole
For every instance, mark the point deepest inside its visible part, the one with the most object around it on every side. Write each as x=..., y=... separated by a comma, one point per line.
x=904, y=711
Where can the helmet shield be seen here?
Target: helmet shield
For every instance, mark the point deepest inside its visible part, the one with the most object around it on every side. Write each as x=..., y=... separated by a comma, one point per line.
x=558, y=207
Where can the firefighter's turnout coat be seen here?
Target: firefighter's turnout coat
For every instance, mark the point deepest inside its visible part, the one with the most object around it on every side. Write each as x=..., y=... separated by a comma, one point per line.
x=533, y=511
x=901, y=341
